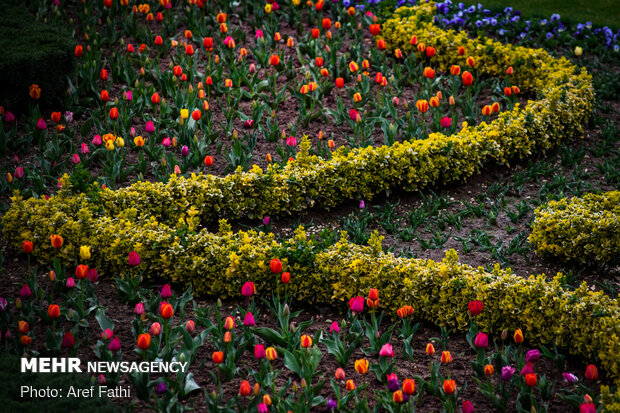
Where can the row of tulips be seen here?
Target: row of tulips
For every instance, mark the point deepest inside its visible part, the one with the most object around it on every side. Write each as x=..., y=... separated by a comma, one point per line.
x=370, y=351
x=191, y=114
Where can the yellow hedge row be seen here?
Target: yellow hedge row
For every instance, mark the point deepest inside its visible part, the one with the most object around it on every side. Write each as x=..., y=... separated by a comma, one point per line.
x=565, y=101
x=217, y=264
x=584, y=229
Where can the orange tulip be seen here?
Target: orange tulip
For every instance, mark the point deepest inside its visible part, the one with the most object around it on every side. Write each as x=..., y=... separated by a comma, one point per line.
x=430, y=349
x=56, y=241
x=381, y=44
x=455, y=70
x=245, y=389
x=56, y=116
x=114, y=113
x=218, y=357
x=196, y=114
x=446, y=357
x=434, y=102
x=489, y=369
x=326, y=23
x=471, y=62
x=53, y=311
x=361, y=366
x=144, y=341
x=35, y=91
x=409, y=386
x=166, y=311
x=468, y=79
x=274, y=60
x=79, y=50
x=155, y=98
x=306, y=341
x=350, y=385
x=208, y=160
x=486, y=110
x=518, y=336
x=81, y=271
x=449, y=386
x=422, y=105
x=531, y=379
x=461, y=50
x=353, y=67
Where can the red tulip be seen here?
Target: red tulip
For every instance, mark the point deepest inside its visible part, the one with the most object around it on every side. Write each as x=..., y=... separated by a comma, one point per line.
x=218, y=357
x=114, y=113
x=468, y=79
x=27, y=247
x=449, y=386
x=591, y=372
x=276, y=266
x=81, y=271
x=245, y=389
x=68, y=340
x=208, y=160
x=375, y=29
x=475, y=307
x=53, y=311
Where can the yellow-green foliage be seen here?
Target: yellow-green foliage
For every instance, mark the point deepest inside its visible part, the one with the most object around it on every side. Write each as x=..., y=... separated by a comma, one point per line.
x=584, y=229
x=582, y=321
x=163, y=221
x=565, y=97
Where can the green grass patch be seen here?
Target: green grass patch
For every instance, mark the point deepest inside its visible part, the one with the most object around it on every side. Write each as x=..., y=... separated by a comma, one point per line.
x=599, y=12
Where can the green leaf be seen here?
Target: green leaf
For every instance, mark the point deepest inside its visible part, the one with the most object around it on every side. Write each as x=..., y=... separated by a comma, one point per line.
x=190, y=384
x=291, y=363
x=103, y=320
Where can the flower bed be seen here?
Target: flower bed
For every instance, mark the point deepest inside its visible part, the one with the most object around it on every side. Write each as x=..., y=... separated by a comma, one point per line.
x=584, y=229
x=583, y=321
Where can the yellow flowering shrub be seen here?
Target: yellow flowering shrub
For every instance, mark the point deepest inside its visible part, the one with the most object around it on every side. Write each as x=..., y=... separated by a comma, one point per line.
x=584, y=229
x=565, y=96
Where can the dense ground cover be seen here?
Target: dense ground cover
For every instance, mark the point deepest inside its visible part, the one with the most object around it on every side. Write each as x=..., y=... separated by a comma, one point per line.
x=381, y=98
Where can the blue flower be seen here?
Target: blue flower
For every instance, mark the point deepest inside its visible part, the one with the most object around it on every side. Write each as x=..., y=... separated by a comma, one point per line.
x=549, y=35
x=486, y=11
x=471, y=9
x=493, y=21
x=461, y=6
x=502, y=32
x=515, y=19
x=523, y=35
x=508, y=10
x=543, y=22
x=478, y=23
x=346, y=3
x=616, y=47
x=555, y=17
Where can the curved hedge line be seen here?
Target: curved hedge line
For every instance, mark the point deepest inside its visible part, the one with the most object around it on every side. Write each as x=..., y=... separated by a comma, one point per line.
x=564, y=104
x=579, y=229
x=217, y=264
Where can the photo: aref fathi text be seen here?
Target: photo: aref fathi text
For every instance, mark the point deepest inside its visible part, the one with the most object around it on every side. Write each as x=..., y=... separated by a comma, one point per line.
x=76, y=392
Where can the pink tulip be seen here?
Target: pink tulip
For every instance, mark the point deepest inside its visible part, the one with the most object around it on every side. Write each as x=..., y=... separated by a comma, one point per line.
x=97, y=140
x=41, y=125
x=139, y=309
x=481, y=340
x=84, y=149
x=76, y=159
x=115, y=344
x=133, y=259
x=25, y=292
x=70, y=282
x=107, y=334
x=446, y=122
x=291, y=141
x=356, y=304
x=190, y=326
x=155, y=329
x=166, y=292
x=249, y=321
x=19, y=172
x=248, y=289
x=386, y=350
x=334, y=328
x=166, y=142
x=150, y=127
x=9, y=117
x=259, y=351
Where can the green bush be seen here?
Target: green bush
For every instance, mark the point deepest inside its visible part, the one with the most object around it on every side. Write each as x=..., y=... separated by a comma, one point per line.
x=585, y=230
x=33, y=52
